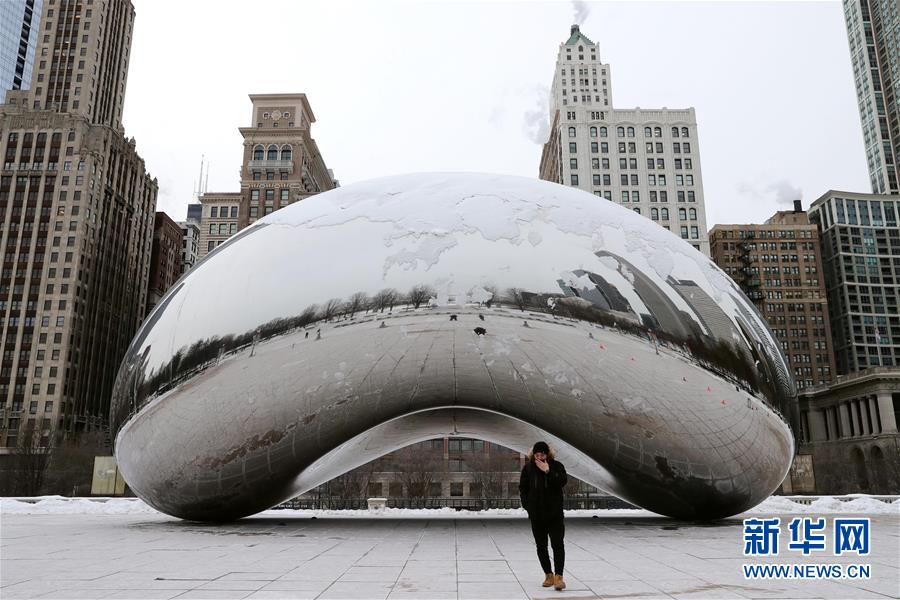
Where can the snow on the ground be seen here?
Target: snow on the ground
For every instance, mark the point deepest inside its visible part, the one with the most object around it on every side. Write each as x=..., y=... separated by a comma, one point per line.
x=48, y=505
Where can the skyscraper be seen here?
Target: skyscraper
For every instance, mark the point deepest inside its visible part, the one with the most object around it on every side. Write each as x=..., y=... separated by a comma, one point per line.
x=19, y=25
x=873, y=30
x=78, y=207
x=860, y=249
x=778, y=265
x=645, y=159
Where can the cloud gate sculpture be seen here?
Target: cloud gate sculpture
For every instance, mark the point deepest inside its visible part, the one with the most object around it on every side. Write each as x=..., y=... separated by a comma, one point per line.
x=376, y=315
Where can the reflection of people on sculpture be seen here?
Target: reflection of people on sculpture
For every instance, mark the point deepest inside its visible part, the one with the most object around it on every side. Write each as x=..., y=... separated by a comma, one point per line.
x=541, y=491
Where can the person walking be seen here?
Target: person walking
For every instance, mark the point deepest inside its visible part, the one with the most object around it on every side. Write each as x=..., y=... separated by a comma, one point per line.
x=541, y=491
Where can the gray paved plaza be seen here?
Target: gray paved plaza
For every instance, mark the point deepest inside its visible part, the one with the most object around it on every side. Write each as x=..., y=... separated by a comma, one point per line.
x=287, y=554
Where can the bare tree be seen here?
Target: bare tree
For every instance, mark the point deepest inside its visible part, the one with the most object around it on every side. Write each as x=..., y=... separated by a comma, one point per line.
x=72, y=462
x=32, y=457
x=357, y=302
x=516, y=297
x=384, y=299
x=490, y=472
x=417, y=471
x=419, y=295
x=331, y=308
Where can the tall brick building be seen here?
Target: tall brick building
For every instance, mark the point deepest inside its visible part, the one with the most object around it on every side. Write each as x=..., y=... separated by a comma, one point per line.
x=778, y=265
x=77, y=208
x=165, y=259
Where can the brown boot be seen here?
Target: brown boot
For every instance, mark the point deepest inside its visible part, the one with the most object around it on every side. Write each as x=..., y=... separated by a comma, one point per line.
x=558, y=583
x=549, y=579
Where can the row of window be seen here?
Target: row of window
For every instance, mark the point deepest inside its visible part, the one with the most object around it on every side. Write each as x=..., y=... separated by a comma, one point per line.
x=223, y=212
x=285, y=196
x=629, y=132
x=222, y=228
x=271, y=153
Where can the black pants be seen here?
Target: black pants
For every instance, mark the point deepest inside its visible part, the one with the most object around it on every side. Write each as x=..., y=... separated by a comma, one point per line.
x=556, y=530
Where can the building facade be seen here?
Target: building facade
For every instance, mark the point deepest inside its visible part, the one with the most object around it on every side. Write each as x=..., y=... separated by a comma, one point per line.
x=165, y=258
x=220, y=218
x=19, y=26
x=190, y=244
x=848, y=436
x=647, y=160
x=282, y=163
x=861, y=260
x=778, y=265
x=873, y=31
x=78, y=209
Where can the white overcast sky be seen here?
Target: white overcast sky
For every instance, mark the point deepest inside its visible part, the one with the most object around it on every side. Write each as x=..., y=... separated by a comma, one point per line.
x=410, y=86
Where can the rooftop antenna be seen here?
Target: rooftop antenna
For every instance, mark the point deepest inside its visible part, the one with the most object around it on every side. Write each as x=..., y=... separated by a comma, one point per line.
x=199, y=183
x=206, y=180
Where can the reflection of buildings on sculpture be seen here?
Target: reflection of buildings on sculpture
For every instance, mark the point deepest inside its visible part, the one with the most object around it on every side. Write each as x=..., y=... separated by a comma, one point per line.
x=645, y=160
x=281, y=165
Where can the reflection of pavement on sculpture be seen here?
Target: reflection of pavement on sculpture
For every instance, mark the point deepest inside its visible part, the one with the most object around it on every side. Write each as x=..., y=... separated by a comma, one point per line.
x=281, y=554
x=595, y=394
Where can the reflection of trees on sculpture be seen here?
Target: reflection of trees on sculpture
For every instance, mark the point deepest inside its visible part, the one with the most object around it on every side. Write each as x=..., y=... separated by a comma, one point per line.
x=386, y=298
x=419, y=295
x=717, y=355
x=516, y=297
x=357, y=302
x=331, y=308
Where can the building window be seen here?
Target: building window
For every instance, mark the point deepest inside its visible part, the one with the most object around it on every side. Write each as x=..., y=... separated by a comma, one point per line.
x=234, y=212
x=272, y=153
x=674, y=132
x=571, y=132
x=593, y=132
x=624, y=195
x=456, y=488
x=682, y=214
x=684, y=132
x=654, y=213
x=692, y=214
x=574, y=179
x=285, y=196
x=258, y=152
x=603, y=132
x=665, y=214
x=637, y=210
x=631, y=132
x=684, y=232
x=620, y=132
x=214, y=211
x=594, y=147
x=573, y=147
x=254, y=195
x=210, y=245
x=285, y=152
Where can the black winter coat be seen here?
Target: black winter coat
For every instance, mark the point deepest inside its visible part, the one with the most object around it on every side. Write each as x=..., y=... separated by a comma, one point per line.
x=542, y=494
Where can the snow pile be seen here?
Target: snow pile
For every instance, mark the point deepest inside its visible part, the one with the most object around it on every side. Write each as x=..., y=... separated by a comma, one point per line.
x=59, y=505
x=855, y=503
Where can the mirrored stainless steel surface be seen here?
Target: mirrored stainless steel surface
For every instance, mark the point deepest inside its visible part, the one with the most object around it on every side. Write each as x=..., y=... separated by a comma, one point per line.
x=368, y=317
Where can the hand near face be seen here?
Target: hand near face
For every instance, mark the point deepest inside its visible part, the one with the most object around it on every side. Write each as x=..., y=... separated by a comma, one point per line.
x=541, y=462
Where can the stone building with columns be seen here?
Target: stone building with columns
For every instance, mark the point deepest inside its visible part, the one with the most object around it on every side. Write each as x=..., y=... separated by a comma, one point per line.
x=848, y=435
